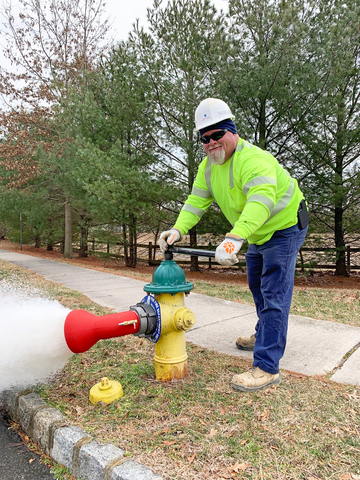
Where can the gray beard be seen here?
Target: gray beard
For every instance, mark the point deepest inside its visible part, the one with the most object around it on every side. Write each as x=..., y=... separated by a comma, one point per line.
x=217, y=158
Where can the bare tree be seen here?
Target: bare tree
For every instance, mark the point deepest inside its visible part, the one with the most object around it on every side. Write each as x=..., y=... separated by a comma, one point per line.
x=51, y=45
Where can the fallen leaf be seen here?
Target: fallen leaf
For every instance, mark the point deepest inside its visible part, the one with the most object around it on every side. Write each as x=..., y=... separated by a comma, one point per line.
x=345, y=476
x=184, y=421
x=136, y=360
x=227, y=476
x=79, y=411
x=191, y=459
x=263, y=416
x=243, y=442
x=160, y=432
x=222, y=473
x=167, y=443
x=239, y=467
x=32, y=460
x=222, y=411
x=212, y=433
x=271, y=390
x=265, y=428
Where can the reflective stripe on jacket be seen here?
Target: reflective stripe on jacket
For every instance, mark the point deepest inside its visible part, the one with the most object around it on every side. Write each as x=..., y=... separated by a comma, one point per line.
x=255, y=193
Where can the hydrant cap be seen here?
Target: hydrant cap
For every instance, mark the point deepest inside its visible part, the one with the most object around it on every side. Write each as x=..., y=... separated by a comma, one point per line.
x=107, y=391
x=168, y=278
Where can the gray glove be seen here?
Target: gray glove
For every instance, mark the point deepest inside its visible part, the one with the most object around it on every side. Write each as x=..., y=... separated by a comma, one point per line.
x=169, y=238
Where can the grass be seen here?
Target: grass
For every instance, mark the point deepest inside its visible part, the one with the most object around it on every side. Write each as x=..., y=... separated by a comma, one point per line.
x=199, y=428
x=338, y=305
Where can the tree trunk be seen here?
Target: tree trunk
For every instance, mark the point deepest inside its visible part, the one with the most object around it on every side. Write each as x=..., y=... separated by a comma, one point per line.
x=132, y=242
x=50, y=239
x=262, y=125
x=37, y=240
x=68, y=251
x=84, y=235
x=125, y=240
x=156, y=235
x=341, y=269
x=194, y=266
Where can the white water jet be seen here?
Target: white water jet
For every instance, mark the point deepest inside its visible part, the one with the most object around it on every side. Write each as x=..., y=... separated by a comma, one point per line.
x=32, y=341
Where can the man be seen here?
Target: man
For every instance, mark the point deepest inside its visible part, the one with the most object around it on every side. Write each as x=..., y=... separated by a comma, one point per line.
x=267, y=209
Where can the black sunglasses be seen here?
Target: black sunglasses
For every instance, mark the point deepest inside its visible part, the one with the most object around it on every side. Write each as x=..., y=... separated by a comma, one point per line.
x=214, y=136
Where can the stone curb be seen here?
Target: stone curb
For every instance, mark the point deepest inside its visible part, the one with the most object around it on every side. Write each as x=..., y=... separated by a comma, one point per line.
x=71, y=446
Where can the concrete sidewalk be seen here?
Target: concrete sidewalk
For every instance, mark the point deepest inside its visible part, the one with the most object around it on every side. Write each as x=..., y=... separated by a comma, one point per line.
x=314, y=347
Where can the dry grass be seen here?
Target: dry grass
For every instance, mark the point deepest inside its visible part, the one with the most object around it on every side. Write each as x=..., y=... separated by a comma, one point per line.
x=199, y=428
x=336, y=305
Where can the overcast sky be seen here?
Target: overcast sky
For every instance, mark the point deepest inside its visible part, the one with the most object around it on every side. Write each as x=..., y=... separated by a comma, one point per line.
x=121, y=13
x=124, y=13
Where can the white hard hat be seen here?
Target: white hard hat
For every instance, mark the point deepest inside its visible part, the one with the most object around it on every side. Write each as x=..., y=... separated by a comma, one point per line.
x=211, y=111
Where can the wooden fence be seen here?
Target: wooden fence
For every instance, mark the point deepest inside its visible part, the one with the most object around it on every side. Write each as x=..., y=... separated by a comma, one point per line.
x=309, y=257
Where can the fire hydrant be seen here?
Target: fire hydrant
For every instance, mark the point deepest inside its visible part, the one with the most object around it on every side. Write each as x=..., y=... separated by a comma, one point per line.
x=161, y=317
x=169, y=287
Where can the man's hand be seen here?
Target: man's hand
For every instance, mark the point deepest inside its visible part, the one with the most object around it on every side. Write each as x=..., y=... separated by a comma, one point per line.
x=226, y=252
x=169, y=238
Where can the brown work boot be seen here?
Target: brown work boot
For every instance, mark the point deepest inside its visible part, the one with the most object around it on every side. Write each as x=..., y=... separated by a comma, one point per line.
x=254, y=379
x=246, y=343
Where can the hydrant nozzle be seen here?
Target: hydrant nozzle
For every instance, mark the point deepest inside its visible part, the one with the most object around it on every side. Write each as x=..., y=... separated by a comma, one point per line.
x=184, y=318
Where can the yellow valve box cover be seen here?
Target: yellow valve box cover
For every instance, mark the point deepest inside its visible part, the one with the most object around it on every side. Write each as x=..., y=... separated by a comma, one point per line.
x=107, y=391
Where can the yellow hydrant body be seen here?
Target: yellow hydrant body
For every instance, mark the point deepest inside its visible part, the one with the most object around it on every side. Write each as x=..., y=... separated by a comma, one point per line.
x=169, y=288
x=170, y=352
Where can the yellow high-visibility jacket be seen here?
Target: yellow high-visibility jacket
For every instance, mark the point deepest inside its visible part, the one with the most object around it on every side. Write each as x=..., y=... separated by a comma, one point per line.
x=255, y=193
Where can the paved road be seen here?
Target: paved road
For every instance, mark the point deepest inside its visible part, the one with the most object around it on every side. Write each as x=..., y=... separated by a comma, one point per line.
x=16, y=461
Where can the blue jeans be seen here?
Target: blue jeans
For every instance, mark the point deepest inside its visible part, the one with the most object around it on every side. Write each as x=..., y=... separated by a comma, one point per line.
x=270, y=271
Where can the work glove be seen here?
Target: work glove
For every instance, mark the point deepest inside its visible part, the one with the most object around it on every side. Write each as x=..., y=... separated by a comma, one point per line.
x=169, y=238
x=226, y=252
